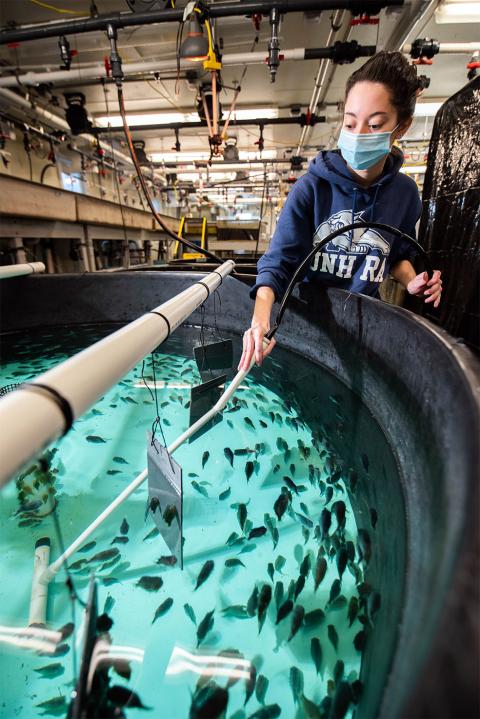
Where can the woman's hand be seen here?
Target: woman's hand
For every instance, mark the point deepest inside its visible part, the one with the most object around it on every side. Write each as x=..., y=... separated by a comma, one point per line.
x=423, y=287
x=253, y=344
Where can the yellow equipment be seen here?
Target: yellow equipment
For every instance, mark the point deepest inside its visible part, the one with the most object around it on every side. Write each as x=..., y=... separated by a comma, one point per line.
x=203, y=241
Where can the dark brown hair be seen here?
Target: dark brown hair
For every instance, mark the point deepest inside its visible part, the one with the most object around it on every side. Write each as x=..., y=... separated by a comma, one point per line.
x=394, y=71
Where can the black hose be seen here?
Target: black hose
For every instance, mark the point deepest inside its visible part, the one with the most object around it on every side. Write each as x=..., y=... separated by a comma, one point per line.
x=146, y=192
x=320, y=245
x=44, y=170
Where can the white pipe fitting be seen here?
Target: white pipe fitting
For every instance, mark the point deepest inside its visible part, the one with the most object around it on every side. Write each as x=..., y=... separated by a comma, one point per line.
x=28, y=268
x=39, y=595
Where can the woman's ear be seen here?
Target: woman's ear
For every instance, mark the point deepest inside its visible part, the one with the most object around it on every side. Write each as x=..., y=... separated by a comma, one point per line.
x=404, y=127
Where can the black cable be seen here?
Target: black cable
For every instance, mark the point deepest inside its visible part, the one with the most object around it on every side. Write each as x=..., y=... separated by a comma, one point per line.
x=156, y=422
x=178, y=43
x=261, y=209
x=30, y=164
x=320, y=245
x=215, y=325
x=44, y=170
x=146, y=192
x=115, y=172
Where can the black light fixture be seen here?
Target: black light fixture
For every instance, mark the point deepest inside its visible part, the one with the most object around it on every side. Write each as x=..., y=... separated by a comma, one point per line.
x=65, y=52
x=195, y=47
x=139, y=146
x=76, y=114
x=230, y=151
x=296, y=162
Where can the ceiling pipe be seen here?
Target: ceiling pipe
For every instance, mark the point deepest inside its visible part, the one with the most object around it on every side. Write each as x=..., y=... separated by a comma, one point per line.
x=217, y=10
x=453, y=48
x=190, y=167
x=321, y=82
x=98, y=72
x=59, y=123
x=300, y=120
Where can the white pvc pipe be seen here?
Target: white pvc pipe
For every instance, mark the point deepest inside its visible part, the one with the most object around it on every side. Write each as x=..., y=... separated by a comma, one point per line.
x=50, y=635
x=30, y=420
x=451, y=47
x=52, y=570
x=17, y=246
x=38, y=597
x=36, y=645
x=132, y=68
x=24, y=269
x=222, y=401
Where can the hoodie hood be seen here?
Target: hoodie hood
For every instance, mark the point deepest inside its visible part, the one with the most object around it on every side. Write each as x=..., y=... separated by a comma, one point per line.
x=330, y=166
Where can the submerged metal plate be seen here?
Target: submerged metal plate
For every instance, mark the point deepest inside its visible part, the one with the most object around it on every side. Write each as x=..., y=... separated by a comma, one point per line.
x=214, y=356
x=165, y=496
x=202, y=399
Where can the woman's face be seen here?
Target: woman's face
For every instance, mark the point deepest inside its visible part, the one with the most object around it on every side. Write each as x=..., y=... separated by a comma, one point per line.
x=368, y=109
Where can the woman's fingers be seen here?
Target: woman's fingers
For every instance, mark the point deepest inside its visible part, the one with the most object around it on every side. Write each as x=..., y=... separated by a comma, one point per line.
x=435, y=277
x=434, y=296
x=258, y=334
x=240, y=364
x=270, y=347
x=434, y=293
x=248, y=351
x=243, y=358
x=253, y=344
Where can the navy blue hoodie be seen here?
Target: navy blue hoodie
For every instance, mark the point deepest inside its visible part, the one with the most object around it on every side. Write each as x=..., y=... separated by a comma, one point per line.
x=328, y=197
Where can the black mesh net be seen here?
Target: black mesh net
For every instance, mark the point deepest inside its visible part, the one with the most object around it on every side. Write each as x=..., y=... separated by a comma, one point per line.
x=450, y=224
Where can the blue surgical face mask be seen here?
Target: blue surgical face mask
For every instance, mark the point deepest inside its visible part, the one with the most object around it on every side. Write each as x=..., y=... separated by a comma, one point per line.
x=362, y=150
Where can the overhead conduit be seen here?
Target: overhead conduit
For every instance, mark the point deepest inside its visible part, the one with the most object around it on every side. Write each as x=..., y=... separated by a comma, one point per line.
x=324, y=75
x=97, y=72
x=217, y=10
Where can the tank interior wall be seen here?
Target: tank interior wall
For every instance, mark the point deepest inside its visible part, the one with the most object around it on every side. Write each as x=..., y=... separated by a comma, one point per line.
x=430, y=418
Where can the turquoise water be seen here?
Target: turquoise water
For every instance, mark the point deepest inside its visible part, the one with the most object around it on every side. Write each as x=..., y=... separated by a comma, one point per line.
x=105, y=450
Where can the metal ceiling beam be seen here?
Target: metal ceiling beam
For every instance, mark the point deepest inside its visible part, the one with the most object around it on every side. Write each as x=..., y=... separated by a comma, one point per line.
x=24, y=33
x=414, y=19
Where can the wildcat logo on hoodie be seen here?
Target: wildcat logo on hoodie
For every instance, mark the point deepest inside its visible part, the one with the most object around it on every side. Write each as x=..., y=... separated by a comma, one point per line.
x=364, y=239
x=345, y=249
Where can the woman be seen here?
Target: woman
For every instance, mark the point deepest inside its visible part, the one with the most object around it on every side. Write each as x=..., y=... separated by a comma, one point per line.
x=358, y=181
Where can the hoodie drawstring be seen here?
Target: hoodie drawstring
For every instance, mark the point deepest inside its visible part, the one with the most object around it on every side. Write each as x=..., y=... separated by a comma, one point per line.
x=353, y=214
x=372, y=206
x=371, y=209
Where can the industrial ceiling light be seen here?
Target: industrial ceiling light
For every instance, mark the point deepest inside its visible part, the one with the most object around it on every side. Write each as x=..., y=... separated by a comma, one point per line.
x=196, y=46
x=76, y=114
x=427, y=109
x=139, y=146
x=458, y=11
